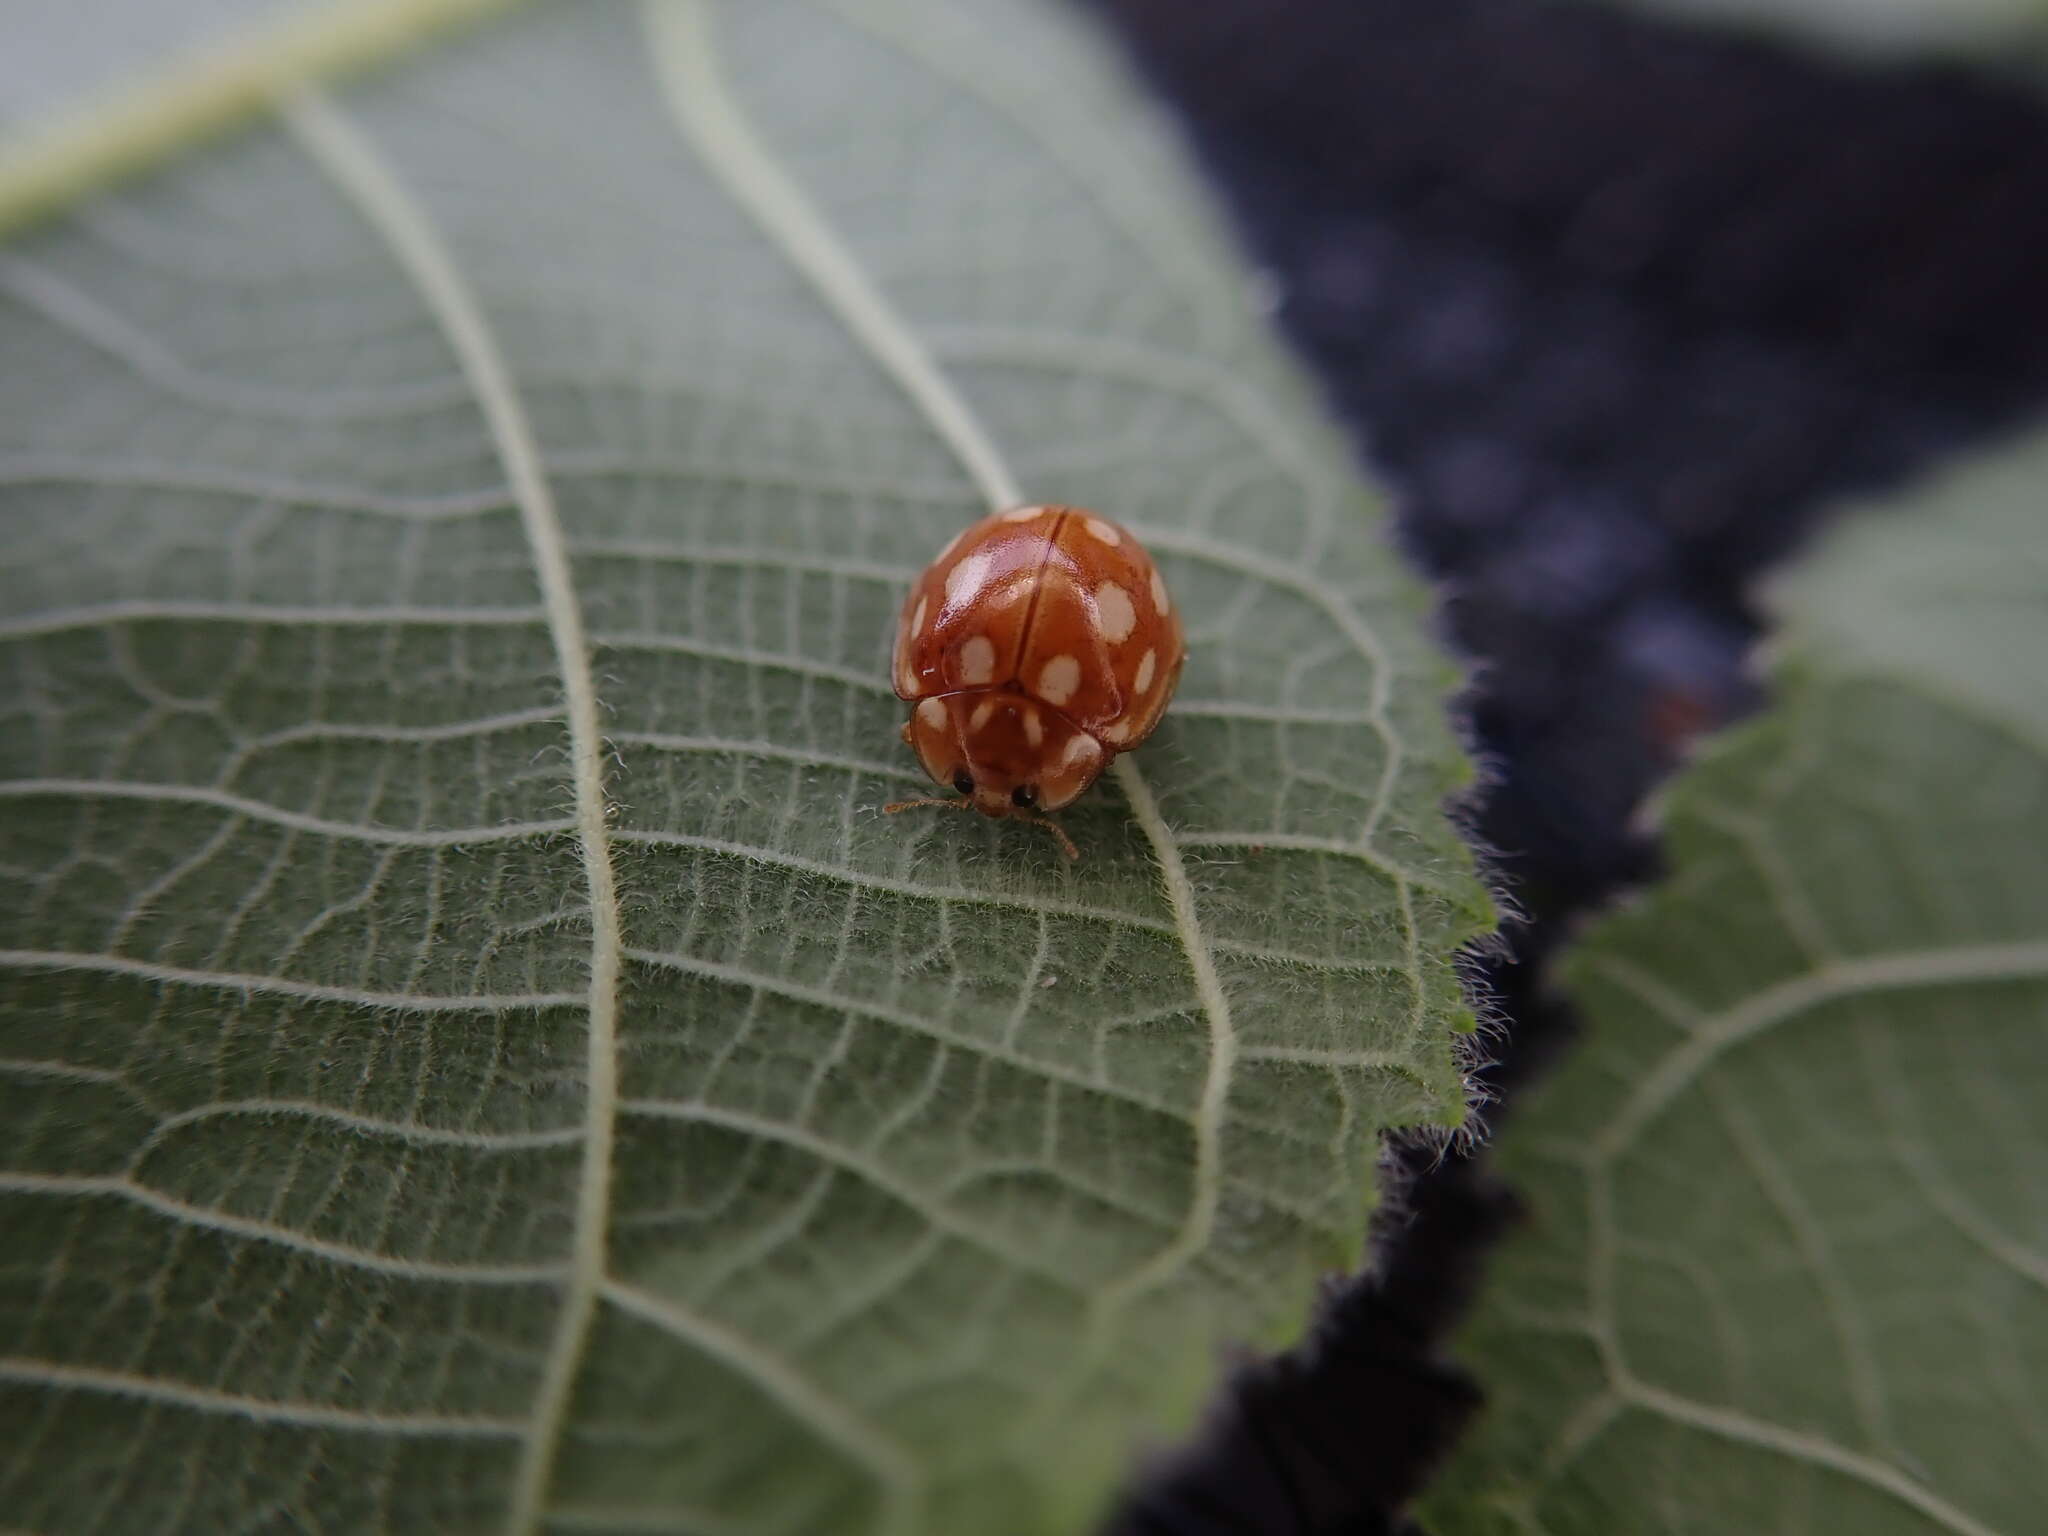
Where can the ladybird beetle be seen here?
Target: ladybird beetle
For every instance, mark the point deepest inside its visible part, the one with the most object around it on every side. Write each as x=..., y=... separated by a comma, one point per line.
x=1040, y=644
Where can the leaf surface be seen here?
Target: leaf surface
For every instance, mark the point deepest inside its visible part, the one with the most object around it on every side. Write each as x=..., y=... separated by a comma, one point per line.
x=474, y=1054
x=1786, y=1266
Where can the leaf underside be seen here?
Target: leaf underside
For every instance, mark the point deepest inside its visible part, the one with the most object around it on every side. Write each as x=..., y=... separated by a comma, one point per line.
x=473, y=1054
x=1786, y=1264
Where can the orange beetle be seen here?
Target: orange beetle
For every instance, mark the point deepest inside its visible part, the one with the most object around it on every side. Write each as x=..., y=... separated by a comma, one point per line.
x=1040, y=644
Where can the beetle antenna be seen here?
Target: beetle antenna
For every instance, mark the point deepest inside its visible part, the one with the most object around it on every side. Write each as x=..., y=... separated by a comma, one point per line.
x=934, y=800
x=1066, y=843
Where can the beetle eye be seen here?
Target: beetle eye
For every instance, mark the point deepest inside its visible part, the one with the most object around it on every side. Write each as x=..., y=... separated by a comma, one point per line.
x=964, y=782
x=1024, y=795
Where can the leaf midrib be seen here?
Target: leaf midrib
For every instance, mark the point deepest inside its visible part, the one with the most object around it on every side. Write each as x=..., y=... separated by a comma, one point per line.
x=382, y=199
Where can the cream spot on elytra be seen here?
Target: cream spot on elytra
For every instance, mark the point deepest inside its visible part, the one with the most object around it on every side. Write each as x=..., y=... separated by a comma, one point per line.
x=1156, y=706
x=1023, y=514
x=1082, y=749
x=1058, y=679
x=978, y=662
x=924, y=605
x=964, y=577
x=1159, y=598
x=1147, y=666
x=1034, y=728
x=935, y=752
x=1102, y=530
x=1007, y=592
x=980, y=717
x=933, y=713
x=1115, y=613
x=1118, y=731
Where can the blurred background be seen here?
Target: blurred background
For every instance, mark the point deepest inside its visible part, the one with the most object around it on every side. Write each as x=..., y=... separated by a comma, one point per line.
x=1618, y=307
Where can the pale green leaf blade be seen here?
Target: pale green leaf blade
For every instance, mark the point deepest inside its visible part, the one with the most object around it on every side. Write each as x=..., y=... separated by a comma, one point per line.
x=103, y=48
x=1786, y=1266
x=109, y=85
x=476, y=1055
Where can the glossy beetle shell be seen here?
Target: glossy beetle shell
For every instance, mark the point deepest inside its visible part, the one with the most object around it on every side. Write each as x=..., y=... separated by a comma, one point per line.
x=1038, y=645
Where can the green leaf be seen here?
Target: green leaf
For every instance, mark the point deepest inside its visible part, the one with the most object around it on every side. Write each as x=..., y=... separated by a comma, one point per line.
x=1786, y=1265
x=2004, y=32
x=475, y=1054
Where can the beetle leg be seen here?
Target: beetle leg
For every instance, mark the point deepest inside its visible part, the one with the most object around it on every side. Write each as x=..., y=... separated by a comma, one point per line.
x=936, y=800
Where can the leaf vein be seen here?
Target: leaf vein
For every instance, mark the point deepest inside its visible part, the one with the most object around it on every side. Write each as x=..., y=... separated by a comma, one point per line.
x=1786, y=1000
x=1796, y=1445
x=258, y=810
x=894, y=1470
x=373, y=1125
x=104, y=615
x=43, y=1373
x=886, y=884
x=209, y=1219
x=390, y=209
x=924, y=1204
x=930, y=1028
x=277, y=986
x=684, y=60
